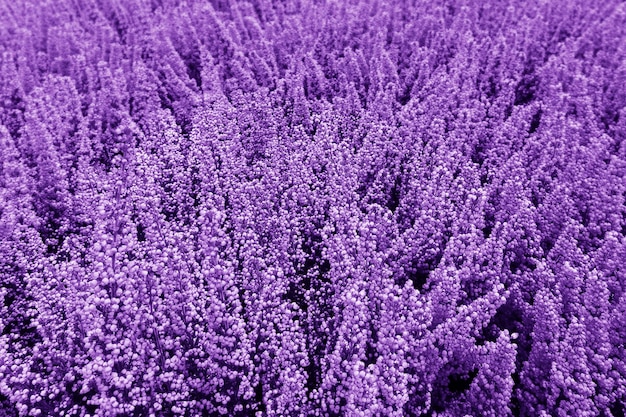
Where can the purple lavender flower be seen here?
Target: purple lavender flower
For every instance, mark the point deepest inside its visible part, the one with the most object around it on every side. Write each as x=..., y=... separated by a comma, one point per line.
x=302, y=208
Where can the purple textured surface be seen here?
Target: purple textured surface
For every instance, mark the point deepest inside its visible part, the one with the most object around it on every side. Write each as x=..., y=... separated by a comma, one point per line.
x=312, y=208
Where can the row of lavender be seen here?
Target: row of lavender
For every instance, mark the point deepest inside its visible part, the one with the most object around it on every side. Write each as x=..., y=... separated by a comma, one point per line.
x=312, y=208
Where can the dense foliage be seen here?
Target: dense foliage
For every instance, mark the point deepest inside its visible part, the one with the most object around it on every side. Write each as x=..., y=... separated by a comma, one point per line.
x=312, y=208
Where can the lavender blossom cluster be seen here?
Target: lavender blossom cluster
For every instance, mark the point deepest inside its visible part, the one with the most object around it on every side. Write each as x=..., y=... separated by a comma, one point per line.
x=312, y=208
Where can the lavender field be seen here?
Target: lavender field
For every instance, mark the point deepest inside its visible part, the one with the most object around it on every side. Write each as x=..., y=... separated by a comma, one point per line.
x=313, y=208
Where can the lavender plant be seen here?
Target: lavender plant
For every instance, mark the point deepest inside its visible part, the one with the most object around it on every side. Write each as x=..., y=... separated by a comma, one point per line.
x=305, y=208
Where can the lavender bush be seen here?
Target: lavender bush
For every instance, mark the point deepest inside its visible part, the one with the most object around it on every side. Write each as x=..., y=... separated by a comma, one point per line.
x=312, y=208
